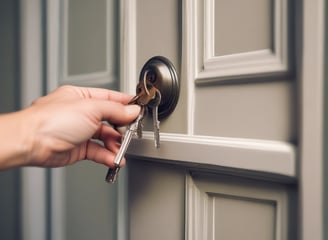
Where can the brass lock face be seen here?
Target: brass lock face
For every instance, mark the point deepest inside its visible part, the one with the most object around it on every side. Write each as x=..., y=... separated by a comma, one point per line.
x=162, y=74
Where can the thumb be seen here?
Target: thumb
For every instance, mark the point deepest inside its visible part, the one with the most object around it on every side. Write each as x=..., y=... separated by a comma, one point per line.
x=116, y=113
x=132, y=112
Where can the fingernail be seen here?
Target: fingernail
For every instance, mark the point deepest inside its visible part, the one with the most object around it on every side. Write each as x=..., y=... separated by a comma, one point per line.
x=133, y=109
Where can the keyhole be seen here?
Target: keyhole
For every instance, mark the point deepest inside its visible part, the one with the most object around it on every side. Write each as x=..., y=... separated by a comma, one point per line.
x=151, y=77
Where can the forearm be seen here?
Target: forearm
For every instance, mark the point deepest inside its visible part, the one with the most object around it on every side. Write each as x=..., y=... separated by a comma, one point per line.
x=15, y=139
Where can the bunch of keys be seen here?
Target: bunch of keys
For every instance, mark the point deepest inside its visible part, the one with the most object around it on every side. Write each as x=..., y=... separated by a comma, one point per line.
x=147, y=96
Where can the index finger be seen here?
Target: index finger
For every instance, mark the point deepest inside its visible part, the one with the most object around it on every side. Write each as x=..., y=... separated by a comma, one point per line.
x=105, y=94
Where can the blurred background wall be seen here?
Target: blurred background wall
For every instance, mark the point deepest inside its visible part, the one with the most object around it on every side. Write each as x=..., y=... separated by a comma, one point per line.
x=10, y=227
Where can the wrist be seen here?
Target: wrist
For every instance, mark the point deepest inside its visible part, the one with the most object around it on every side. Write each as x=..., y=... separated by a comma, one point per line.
x=16, y=140
x=27, y=134
x=35, y=140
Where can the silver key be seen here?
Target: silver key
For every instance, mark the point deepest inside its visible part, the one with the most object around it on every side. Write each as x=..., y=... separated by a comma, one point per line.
x=154, y=105
x=139, y=129
x=130, y=132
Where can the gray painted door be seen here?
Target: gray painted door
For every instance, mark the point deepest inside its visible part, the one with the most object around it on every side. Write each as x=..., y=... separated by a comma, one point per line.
x=237, y=159
x=226, y=168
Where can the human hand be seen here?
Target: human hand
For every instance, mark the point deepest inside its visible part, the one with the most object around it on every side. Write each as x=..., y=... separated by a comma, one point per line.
x=64, y=124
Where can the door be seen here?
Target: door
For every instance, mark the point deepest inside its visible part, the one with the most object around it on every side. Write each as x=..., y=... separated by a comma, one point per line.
x=241, y=156
x=237, y=157
x=226, y=168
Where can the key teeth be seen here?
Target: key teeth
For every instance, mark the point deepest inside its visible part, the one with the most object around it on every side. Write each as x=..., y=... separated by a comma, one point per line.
x=157, y=134
x=139, y=130
x=112, y=175
x=157, y=144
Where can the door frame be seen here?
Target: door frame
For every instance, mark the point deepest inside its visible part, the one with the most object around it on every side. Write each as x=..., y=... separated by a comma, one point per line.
x=33, y=206
x=310, y=158
x=311, y=165
x=306, y=159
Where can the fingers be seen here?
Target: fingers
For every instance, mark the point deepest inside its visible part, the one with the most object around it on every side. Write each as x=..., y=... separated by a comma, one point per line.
x=103, y=94
x=118, y=114
x=114, y=112
x=110, y=138
x=99, y=154
x=107, y=133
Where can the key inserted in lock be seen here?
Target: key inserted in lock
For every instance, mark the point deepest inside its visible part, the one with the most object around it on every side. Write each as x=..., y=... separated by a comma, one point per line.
x=158, y=91
x=162, y=74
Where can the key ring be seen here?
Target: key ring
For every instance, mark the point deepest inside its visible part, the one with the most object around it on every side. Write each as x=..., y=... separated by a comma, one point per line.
x=145, y=81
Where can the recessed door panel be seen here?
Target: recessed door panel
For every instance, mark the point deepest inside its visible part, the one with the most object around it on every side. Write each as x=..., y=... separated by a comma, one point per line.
x=243, y=26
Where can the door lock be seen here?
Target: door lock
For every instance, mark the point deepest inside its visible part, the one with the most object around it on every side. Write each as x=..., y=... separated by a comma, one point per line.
x=161, y=73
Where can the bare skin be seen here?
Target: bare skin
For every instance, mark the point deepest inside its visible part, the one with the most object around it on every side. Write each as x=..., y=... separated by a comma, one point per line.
x=61, y=128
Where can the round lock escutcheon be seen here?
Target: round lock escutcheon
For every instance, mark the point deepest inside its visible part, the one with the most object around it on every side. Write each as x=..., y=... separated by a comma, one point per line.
x=161, y=73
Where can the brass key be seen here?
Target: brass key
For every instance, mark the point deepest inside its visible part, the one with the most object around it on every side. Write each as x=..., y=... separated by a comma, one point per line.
x=145, y=93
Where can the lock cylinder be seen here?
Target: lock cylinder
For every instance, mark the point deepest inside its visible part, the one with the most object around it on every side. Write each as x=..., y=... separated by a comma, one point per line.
x=162, y=74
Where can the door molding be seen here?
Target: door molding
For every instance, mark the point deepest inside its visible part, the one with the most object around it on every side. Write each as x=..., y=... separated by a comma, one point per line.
x=312, y=185
x=128, y=45
x=268, y=157
x=128, y=71
x=202, y=191
x=94, y=78
x=209, y=69
x=33, y=202
x=57, y=50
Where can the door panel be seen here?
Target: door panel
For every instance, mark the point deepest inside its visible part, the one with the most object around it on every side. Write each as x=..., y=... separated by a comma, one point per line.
x=258, y=103
x=244, y=28
x=86, y=44
x=258, y=110
x=87, y=41
x=88, y=203
x=156, y=201
x=262, y=215
x=158, y=31
x=226, y=207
